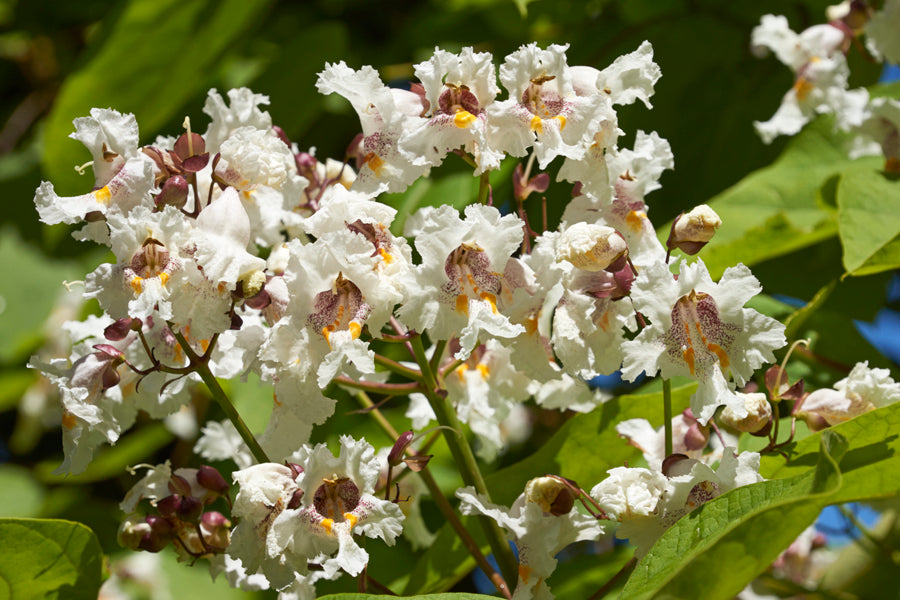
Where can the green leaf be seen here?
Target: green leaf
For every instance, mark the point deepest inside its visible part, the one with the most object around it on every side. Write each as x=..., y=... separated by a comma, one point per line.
x=871, y=467
x=20, y=494
x=715, y=550
x=30, y=286
x=776, y=210
x=573, y=452
x=188, y=38
x=49, y=559
x=868, y=218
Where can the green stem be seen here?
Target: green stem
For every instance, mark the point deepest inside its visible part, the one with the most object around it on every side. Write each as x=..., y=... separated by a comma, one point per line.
x=202, y=369
x=667, y=414
x=387, y=389
x=441, y=501
x=393, y=365
x=484, y=186
x=465, y=459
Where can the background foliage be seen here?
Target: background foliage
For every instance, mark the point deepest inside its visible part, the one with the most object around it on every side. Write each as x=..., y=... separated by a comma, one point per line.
x=794, y=211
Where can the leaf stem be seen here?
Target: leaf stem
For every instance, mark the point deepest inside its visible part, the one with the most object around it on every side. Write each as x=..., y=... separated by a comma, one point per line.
x=201, y=366
x=465, y=460
x=441, y=501
x=667, y=414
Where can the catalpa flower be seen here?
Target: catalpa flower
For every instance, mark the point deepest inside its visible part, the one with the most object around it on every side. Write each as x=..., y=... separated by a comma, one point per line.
x=458, y=90
x=385, y=114
x=123, y=175
x=816, y=58
x=290, y=519
x=863, y=390
x=466, y=266
x=542, y=521
x=700, y=329
x=543, y=109
x=647, y=502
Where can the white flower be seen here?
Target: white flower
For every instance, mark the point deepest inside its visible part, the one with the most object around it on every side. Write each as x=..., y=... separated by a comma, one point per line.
x=466, y=267
x=384, y=114
x=458, y=89
x=700, y=328
x=123, y=176
x=543, y=109
x=243, y=111
x=821, y=72
x=646, y=502
x=542, y=521
x=863, y=390
x=630, y=77
x=881, y=31
x=288, y=523
x=485, y=390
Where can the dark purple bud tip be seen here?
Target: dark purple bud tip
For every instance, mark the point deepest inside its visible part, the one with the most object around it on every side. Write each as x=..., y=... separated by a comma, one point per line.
x=396, y=455
x=158, y=537
x=210, y=479
x=295, y=469
x=185, y=146
x=671, y=461
x=169, y=506
x=296, y=499
x=117, y=331
x=214, y=519
x=190, y=508
x=179, y=485
x=697, y=437
x=193, y=164
x=281, y=135
x=174, y=193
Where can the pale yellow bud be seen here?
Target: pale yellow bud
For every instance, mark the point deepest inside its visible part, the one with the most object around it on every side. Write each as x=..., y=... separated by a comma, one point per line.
x=590, y=247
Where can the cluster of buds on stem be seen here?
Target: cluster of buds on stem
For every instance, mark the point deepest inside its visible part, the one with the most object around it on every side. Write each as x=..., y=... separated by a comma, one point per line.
x=181, y=519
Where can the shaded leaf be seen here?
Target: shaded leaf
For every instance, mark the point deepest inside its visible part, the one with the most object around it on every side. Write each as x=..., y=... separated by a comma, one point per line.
x=49, y=559
x=124, y=72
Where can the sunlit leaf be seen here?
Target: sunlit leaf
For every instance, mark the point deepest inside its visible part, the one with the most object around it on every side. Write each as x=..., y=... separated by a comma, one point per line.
x=733, y=538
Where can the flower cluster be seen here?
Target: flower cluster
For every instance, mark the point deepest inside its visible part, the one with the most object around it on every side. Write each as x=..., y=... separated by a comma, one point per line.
x=817, y=57
x=237, y=252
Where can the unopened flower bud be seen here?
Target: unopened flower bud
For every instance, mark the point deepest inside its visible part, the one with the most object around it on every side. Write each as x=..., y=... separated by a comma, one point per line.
x=252, y=283
x=189, y=144
x=592, y=247
x=159, y=535
x=179, y=485
x=696, y=437
x=691, y=231
x=759, y=414
x=174, y=193
x=190, y=508
x=296, y=470
x=217, y=529
x=296, y=499
x=210, y=479
x=119, y=330
x=395, y=457
x=676, y=464
x=169, y=506
x=551, y=494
